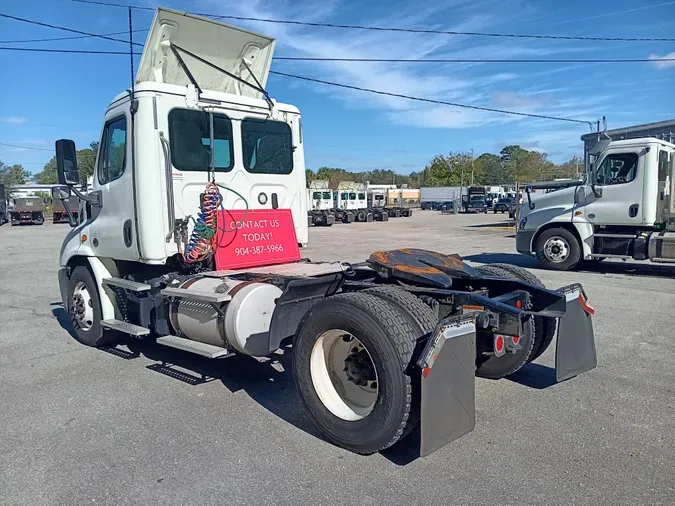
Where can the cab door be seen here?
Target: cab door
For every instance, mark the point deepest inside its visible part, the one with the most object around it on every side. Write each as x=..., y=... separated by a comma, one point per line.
x=619, y=179
x=112, y=227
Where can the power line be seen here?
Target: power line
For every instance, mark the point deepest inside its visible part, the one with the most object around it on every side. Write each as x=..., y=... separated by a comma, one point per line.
x=468, y=60
x=76, y=51
x=24, y=147
x=432, y=101
x=395, y=29
x=56, y=27
x=372, y=60
x=73, y=37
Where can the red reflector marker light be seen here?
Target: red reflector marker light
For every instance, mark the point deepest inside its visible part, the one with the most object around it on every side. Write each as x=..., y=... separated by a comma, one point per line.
x=499, y=344
x=426, y=371
x=586, y=306
x=519, y=304
x=516, y=339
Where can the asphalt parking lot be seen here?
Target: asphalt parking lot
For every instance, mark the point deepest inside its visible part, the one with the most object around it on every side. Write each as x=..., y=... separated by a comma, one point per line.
x=81, y=425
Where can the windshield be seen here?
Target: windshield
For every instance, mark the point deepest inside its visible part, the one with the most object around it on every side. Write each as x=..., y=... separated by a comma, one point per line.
x=477, y=198
x=379, y=197
x=316, y=195
x=362, y=196
x=343, y=196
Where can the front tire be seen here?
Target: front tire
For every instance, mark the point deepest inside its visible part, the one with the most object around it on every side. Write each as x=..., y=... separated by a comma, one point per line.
x=84, y=309
x=380, y=332
x=558, y=249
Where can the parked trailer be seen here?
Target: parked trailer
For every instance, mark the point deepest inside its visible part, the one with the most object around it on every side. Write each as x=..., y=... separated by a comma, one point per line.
x=59, y=213
x=380, y=349
x=440, y=197
x=28, y=211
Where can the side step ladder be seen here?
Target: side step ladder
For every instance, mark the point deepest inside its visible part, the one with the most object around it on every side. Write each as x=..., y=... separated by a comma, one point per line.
x=126, y=327
x=203, y=349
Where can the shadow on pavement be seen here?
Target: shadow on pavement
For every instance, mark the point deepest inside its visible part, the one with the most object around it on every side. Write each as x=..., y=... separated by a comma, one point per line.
x=605, y=267
x=506, y=225
x=534, y=376
x=503, y=258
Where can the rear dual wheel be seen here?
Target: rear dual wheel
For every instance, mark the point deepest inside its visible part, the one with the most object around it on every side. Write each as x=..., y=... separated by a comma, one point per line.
x=351, y=356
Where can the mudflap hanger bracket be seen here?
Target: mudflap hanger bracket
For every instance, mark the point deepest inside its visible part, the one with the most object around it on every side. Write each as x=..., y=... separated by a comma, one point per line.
x=447, y=366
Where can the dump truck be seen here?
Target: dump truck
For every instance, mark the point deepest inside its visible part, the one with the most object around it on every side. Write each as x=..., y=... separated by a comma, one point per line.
x=196, y=249
x=624, y=207
x=59, y=213
x=320, y=199
x=28, y=211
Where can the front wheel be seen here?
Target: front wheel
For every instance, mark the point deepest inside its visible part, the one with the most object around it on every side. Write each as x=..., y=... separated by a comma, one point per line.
x=84, y=309
x=558, y=249
x=351, y=358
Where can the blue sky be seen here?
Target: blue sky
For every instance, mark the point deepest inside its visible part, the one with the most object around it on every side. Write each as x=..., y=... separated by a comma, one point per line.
x=51, y=96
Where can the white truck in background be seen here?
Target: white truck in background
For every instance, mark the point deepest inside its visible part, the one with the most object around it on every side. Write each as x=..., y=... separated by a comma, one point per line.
x=624, y=208
x=320, y=203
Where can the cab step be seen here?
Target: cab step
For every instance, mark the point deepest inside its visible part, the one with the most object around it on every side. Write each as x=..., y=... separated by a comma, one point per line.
x=203, y=349
x=126, y=327
x=127, y=284
x=199, y=295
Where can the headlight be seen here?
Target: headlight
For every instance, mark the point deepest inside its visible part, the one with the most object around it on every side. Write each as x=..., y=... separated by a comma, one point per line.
x=262, y=198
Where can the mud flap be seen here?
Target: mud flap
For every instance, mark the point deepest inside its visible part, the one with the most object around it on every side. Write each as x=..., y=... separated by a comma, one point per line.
x=447, y=383
x=575, y=350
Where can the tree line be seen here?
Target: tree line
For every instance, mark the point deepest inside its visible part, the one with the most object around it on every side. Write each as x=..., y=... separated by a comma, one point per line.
x=512, y=164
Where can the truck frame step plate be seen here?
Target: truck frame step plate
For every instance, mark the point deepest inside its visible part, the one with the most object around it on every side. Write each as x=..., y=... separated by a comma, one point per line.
x=126, y=327
x=203, y=349
x=134, y=286
x=199, y=295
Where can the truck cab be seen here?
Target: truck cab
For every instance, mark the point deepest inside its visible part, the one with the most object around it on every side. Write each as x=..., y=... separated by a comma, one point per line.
x=623, y=208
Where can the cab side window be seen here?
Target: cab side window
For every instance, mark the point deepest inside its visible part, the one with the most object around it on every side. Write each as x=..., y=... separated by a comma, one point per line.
x=617, y=168
x=113, y=155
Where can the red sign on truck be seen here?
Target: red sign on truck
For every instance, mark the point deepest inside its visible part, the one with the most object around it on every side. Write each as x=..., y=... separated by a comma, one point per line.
x=255, y=238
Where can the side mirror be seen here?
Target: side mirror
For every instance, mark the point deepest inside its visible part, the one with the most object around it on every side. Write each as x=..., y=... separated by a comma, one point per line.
x=61, y=192
x=66, y=162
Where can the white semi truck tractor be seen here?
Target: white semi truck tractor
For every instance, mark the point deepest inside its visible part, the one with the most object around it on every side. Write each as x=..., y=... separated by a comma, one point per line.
x=320, y=199
x=623, y=208
x=182, y=241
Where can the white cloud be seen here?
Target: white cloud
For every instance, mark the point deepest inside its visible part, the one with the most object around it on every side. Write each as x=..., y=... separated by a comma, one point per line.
x=663, y=64
x=14, y=120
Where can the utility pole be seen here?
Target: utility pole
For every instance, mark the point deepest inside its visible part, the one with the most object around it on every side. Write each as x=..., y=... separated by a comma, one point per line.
x=471, y=166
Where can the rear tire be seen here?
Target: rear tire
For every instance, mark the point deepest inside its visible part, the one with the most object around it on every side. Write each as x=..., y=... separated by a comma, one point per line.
x=558, y=249
x=389, y=337
x=492, y=367
x=84, y=309
x=544, y=328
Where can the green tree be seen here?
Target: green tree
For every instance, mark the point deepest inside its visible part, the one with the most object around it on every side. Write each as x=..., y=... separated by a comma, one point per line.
x=12, y=175
x=48, y=174
x=452, y=170
x=494, y=171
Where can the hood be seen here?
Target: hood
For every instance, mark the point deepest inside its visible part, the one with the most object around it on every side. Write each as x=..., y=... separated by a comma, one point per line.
x=225, y=46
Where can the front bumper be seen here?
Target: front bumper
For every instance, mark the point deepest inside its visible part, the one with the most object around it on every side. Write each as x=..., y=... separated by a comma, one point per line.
x=524, y=241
